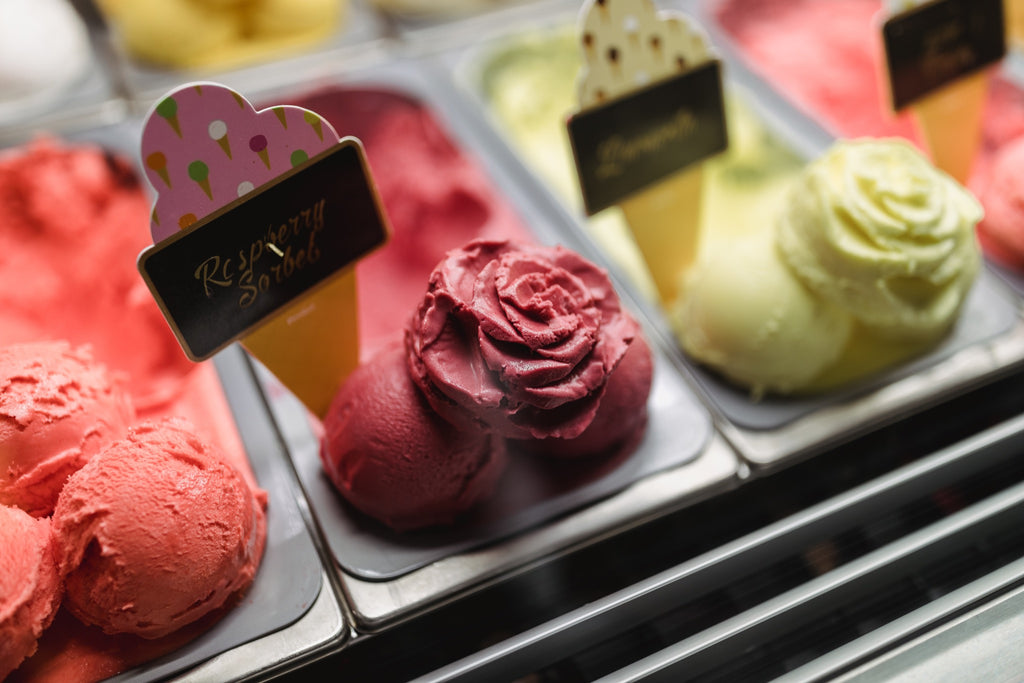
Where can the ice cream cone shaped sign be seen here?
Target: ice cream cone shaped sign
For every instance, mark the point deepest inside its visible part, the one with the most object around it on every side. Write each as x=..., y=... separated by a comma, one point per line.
x=258, y=220
x=937, y=52
x=629, y=48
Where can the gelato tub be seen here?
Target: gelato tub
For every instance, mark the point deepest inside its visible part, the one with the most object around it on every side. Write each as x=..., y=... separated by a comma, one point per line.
x=57, y=195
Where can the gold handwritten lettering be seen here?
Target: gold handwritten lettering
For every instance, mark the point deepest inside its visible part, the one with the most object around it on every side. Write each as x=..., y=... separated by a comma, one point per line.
x=946, y=55
x=254, y=275
x=209, y=271
x=617, y=153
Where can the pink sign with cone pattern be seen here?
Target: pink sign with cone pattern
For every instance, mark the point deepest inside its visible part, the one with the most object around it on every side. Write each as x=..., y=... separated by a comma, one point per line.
x=204, y=145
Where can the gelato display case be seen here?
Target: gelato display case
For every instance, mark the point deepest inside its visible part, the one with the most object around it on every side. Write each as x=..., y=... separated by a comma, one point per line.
x=866, y=531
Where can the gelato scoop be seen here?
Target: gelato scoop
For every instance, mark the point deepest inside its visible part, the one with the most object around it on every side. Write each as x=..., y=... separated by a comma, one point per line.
x=204, y=33
x=30, y=589
x=395, y=459
x=517, y=339
x=58, y=408
x=745, y=314
x=150, y=559
x=510, y=340
x=874, y=228
x=873, y=256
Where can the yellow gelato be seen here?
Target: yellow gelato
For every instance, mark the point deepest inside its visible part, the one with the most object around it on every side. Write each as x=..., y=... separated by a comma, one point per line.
x=1014, y=13
x=747, y=316
x=873, y=256
x=438, y=7
x=875, y=228
x=199, y=33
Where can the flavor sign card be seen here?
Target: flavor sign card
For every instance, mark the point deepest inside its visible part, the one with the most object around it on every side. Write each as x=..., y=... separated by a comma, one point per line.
x=651, y=110
x=936, y=55
x=259, y=218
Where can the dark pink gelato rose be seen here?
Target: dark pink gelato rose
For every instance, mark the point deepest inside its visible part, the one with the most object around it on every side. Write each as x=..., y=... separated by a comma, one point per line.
x=519, y=340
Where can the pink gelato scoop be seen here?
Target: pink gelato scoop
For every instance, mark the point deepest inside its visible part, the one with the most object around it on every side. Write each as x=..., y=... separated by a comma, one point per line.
x=396, y=460
x=149, y=559
x=29, y=585
x=1002, y=230
x=58, y=408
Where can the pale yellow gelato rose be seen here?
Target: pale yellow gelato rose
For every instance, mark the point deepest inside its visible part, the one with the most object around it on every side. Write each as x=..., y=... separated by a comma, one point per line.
x=874, y=228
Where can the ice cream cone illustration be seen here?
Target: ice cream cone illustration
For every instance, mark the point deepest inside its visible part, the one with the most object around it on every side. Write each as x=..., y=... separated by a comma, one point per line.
x=668, y=245
x=290, y=344
x=200, y=172
x=218, y=131
x=950, y=123
x=329, y=313
x=315, y=121
x=664, y=218
x=258, y=144
x=950, y=117
x=168, y=109
x=157, y=162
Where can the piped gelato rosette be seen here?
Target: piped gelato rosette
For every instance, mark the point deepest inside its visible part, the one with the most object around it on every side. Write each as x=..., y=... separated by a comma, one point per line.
x=510, y=341
x=519, y=340
x=878, y=230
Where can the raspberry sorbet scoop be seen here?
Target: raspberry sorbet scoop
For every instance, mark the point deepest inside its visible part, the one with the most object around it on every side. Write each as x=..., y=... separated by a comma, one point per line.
x=392, y=457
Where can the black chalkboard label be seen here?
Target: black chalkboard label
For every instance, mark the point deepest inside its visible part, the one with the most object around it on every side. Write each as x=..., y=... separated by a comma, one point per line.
x=933, y=44
x=236, y=268
x=645, y=136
